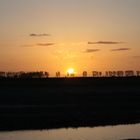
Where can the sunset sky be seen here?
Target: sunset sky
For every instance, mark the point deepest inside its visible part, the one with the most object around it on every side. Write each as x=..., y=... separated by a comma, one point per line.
x=55, y=35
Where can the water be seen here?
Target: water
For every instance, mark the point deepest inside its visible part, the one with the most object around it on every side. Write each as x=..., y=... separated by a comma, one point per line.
x=96, y=133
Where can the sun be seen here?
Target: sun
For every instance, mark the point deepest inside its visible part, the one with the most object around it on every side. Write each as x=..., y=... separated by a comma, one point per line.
x=70, y=72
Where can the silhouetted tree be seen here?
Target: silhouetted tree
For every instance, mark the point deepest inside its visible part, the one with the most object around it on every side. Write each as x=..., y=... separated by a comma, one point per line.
x=100, y=74
x=129, y=73
x=106, y=74
x=96, y=74
x=70, y=74
x=138, y=73
x=46, y=74
x=57, y=74
x=2, y=74
x=120, y=73
x=10, y=74
x=111, y=73
x=84, y=73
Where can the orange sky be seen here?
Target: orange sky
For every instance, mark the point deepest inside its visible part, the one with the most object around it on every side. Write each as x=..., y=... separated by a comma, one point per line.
x=54, y=35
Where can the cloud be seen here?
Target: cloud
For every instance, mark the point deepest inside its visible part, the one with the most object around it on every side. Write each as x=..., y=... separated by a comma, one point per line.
x=39, y=35
x=39, y=44
x=121, y=49
x=92, y=50
x=105, y=42
x=45, y=44
x=136, y=56
x=27, y=45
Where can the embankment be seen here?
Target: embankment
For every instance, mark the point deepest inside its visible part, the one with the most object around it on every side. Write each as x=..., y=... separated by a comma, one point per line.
x=68, y=102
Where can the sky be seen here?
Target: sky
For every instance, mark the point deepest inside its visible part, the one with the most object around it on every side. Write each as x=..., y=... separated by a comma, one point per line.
x=55, y=35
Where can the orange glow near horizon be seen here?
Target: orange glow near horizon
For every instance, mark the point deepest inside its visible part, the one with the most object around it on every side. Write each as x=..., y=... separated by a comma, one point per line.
x=70, y=71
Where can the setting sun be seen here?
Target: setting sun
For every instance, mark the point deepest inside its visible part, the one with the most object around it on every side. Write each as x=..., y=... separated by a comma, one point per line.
x=70, y=72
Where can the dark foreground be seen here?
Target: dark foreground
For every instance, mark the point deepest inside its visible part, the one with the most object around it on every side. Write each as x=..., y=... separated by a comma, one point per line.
x=68, y=102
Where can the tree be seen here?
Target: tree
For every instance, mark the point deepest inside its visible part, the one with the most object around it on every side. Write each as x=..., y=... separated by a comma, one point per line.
x=46, y=74
x=129, y=73
x=138, y=73
x=84, y=73
x=57, y=74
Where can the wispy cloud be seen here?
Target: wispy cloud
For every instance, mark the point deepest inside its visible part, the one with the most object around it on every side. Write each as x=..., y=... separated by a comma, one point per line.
x=105, y=42
x=39, y=45
x=39, y=35
x=121, y=49
x=91, y=50
x=136, y=56
x=27, y=45
x=45, y=44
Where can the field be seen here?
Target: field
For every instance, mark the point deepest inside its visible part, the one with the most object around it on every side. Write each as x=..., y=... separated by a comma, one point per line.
x=68, y=102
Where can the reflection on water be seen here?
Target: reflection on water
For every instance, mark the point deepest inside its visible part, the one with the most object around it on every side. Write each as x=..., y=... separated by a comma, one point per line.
x=96, y=133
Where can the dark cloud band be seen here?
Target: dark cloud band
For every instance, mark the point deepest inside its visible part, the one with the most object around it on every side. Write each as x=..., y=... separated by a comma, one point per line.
x=45, y=44
x=39, y=44
x=136, y=56
x=39, y=35
x=121, y=49
x=105, y=42
x=92, y=50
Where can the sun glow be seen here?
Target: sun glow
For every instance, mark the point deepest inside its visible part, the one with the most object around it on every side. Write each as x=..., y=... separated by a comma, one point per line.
x=70, y=72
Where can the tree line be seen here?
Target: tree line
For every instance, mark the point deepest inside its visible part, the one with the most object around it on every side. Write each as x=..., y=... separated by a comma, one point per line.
x=44, y=74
